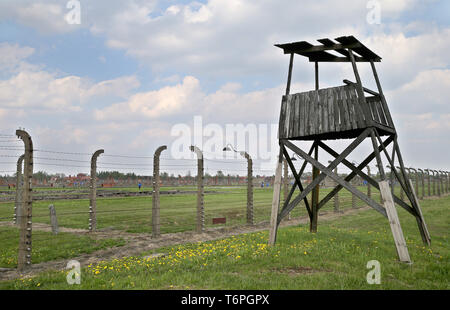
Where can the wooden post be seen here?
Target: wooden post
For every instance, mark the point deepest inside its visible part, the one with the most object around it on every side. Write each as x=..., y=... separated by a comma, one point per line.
x=19, y=191
x=275, y=202
x=93, y=193
x=394, y=222
x=200, y=190
x=286, y=182
x=53, y=219
x=25, y=220
x=314, y=196
x=156, y=222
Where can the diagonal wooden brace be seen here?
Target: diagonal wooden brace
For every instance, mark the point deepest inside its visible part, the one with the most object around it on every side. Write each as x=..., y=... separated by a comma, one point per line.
x=322, y=176
x=353, y=174
x=297, y=177
x=369, y=179
x=336, y=178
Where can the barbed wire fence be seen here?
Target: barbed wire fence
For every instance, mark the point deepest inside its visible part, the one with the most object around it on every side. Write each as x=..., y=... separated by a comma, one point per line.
x=126, y=205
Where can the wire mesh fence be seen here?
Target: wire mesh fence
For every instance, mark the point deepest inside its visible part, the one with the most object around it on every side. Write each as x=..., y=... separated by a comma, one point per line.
x=125, y=198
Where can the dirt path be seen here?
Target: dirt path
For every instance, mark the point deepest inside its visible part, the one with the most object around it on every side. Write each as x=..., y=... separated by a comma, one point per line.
x=138, y=243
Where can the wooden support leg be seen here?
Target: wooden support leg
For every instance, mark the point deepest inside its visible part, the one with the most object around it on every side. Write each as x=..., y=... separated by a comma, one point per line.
x=275, y=202
x=397, y=232
x=420, y=220
x=315, y=197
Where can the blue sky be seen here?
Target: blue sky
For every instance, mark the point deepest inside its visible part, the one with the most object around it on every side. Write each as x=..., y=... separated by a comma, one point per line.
x=134, y=69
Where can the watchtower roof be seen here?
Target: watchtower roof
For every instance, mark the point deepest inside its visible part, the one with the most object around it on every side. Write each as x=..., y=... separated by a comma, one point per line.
x=319, y=53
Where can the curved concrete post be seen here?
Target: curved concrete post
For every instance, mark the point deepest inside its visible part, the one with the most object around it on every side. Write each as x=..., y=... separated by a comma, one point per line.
x=391, y=179
x=423, y=183
x=26, y=206
x=19, y=190
x=93, y=193
x=448, y=181
x=200, y=190
x=402, y=193
x=434, y=182
x=250, y=218
x=336, y=196
x=416, y=180
x=441, y=179
x=156, y=223
x=429, y=181
x=437, y=179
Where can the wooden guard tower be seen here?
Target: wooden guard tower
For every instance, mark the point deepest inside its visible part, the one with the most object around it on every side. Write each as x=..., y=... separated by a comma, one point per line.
x=350, y=111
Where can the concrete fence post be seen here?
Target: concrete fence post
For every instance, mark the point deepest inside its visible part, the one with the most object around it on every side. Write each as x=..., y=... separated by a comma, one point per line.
x=416, y=182
x=93, y=192
x=441, y=179
x=402, y=194
x=438, y=181
x=53, y=219
x=447, y=181
x=200, y=190
x=434, y=182
x=156, y=220
x=19, y=190
x=250, y=213
x=391, y=180
x=336, y=197
x=423, y=183
x=429, y=182
x=26, y=206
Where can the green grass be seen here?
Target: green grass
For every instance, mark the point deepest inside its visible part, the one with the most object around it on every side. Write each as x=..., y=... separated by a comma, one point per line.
x=48, y=247
x=178, y=212
x=333, y=258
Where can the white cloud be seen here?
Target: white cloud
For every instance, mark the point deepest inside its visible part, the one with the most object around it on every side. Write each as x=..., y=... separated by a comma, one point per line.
x=12, y=56
x=167, y=101
x=47, y=17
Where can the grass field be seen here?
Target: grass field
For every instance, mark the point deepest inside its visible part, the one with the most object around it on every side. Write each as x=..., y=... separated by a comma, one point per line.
x=333, y=258
x=134, y=215
x=178, y=212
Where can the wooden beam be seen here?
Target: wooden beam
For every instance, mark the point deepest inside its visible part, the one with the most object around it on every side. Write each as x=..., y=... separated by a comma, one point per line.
x=360, y=91
x=330, y=173
x=288, y=84
x=339, y=59
x=369, y=91
x=358, y=170
x=317, y=48
x=297, y=176
x=394, y=222
x=353, y=174
x=275, y=202
x=319, y=178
